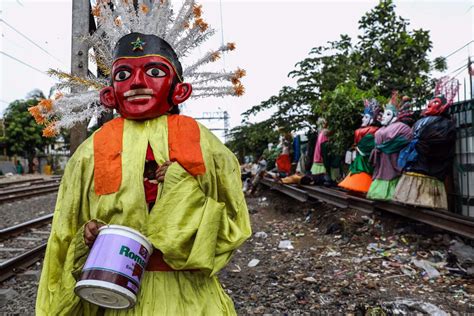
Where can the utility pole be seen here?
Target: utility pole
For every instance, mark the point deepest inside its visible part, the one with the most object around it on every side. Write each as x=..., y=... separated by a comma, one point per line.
x=470, y=70
x=220, y=116
x=79, y=60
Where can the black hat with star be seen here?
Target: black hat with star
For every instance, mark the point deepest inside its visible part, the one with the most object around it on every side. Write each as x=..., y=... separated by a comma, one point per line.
x=136, y=45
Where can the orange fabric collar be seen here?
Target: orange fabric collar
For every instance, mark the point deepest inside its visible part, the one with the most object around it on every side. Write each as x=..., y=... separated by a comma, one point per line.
x=184, y=143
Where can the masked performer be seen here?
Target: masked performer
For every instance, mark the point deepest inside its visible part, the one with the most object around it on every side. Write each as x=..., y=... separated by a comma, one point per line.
x=360, y=176
x=429, y=156
x=195, y=218
x=392, y=137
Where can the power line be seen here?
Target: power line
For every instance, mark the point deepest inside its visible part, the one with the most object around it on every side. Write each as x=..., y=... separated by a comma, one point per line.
x=457, y=50
x=22, y=62
x=222, y=30
x=28, y=39
x=460, y=72
x=464, y=62
x=462, y=67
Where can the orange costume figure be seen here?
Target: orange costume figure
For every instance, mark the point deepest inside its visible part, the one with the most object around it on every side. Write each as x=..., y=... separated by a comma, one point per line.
x=360, y=176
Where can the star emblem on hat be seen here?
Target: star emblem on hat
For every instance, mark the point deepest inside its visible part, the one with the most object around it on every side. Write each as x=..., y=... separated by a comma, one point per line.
x=138, y=44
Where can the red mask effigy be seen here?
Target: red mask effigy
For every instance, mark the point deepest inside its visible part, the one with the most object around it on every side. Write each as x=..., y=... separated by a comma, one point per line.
x=436, y=106
x=145, y=84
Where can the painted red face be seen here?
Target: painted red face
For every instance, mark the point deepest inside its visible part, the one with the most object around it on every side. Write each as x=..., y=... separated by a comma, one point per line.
x=142, y=86
x=435, y=107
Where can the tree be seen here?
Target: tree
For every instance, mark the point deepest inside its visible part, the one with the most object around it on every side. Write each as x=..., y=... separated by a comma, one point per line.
x=386, y=56
x=252, y=139
x=23, y=137
x=390, y=57
x=342, y=109
x=297, y=108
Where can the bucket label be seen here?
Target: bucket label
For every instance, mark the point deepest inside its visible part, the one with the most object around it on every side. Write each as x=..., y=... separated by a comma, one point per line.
x=117, y=259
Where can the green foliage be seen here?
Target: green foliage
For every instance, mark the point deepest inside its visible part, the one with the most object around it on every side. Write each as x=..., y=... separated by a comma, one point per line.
x=271, y=156
x=326, y=67
x=334, y=78
x=23, y=136
x=390, y=57
x=343, y=110
x=251, y=139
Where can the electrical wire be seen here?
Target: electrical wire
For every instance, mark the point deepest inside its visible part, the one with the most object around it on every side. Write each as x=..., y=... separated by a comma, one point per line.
x=222, y=30
x=457, y=50
x=460, y=72
x=460, y=68
x=28, y=39
x=22, y=62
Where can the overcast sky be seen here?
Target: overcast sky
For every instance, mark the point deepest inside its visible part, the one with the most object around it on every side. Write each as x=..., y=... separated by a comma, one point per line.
x=271, y=37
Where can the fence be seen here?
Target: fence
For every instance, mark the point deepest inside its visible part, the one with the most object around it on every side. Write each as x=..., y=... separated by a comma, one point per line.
x=463, y=193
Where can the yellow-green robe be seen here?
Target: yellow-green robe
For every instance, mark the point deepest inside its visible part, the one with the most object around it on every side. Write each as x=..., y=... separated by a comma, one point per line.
x=197, y=222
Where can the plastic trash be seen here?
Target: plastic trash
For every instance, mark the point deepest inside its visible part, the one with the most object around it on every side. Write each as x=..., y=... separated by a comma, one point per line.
x=253, y=263
x=374, y=247
x=285, y=244
x=412, y=307
x=261, y=235
x=464, y=253
x=310, y=279
x=407, y=270
x=429, y=269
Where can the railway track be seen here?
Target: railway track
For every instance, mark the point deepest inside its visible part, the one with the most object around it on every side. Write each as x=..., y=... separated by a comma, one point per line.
x=23, y=245
x=458, y=224
x=29, y=181
x=8, y=194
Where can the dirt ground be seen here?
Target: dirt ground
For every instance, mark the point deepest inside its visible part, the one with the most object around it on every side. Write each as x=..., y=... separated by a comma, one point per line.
x=344, y=262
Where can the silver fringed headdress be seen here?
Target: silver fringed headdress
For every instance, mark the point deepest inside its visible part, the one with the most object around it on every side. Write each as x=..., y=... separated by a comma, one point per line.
x=184, y=31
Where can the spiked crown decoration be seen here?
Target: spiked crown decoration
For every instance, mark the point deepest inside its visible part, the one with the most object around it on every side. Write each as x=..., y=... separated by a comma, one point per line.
x=184, y=31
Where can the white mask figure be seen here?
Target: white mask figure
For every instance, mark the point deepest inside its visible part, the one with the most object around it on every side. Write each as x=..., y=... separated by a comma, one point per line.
x=366, y=120
x=388, y=117
x=321, y=123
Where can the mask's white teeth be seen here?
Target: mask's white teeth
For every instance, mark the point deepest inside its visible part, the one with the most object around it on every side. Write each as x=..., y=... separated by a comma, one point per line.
x=140, y=96
x=131, y=93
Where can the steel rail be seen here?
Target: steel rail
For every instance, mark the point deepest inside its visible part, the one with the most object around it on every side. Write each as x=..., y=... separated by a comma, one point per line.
x=458, y=224
x=11, y=266
x=6, y=185
x=461, y=225
x=28, y=188
x=13, y=230
x=291, y=191
x=27, y=192
x=322, y=194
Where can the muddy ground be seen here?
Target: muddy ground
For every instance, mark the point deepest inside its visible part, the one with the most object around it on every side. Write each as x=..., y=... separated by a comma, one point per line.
x=344, y=262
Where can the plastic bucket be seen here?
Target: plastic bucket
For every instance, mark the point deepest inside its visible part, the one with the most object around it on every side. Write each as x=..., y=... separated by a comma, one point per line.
x=112, y=273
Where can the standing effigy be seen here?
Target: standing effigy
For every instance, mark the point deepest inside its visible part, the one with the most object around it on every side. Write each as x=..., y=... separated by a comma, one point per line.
x=283, y=161
x=318, y=166
x=392, y=137
x=359, y=178
x=196, y=216
x=325, y=163
x=429, y=157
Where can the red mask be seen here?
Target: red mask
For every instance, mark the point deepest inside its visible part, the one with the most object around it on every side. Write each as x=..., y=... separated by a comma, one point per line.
x=142, y=88
x=435, y=107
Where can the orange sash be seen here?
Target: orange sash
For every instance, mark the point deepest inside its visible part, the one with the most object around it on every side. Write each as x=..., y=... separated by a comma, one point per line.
x=108, y=157
x=184, y=143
